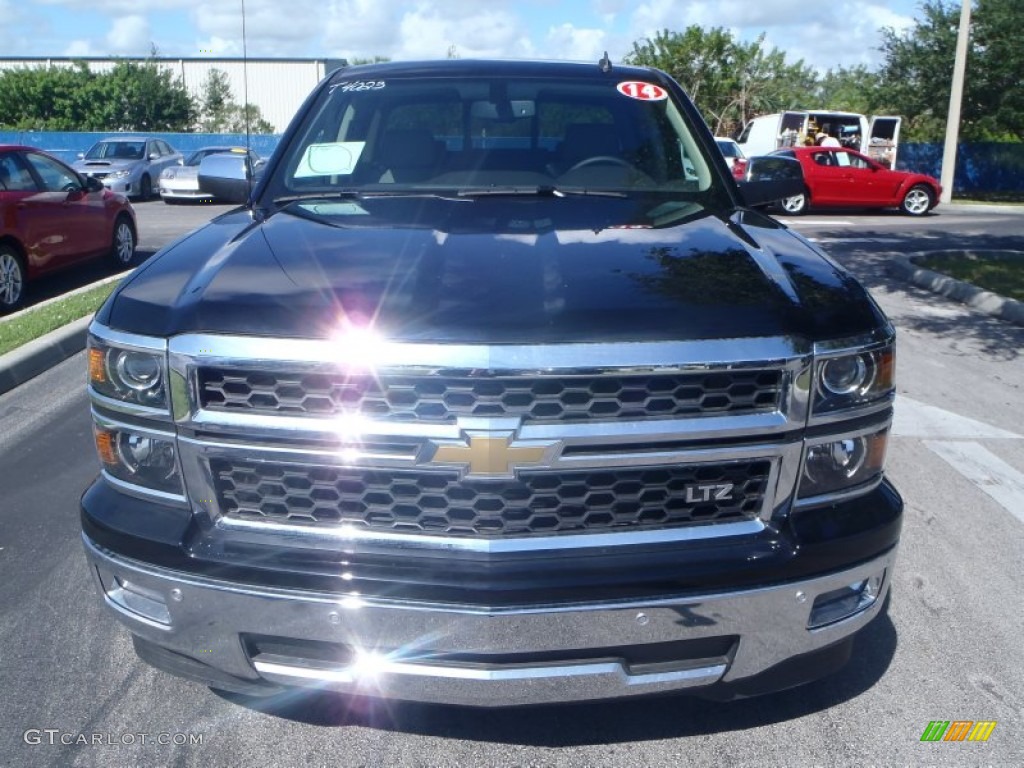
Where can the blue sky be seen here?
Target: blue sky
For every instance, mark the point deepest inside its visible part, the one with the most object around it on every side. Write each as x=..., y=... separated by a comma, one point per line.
x=823, y=34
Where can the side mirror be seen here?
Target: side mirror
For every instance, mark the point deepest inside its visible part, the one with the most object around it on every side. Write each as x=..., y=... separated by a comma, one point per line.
x=81, y=155
x=223, y=176
x=92, y=184
x=154, y=155
x=771, y=178
x=181, y=161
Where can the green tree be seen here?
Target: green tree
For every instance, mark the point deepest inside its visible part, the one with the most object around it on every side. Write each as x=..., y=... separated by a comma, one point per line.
x=850, y=89
x=730, y=81
x=215, y=103
x=218, y=112
x=132, y=96
x=236, y=120
x=146, y=97
x=918, y=70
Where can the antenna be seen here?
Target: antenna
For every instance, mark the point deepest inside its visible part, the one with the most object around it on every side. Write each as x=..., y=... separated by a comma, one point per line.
x=245, y=100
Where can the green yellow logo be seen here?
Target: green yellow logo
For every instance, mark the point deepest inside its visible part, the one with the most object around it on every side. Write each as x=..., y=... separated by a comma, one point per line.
x=958, y=730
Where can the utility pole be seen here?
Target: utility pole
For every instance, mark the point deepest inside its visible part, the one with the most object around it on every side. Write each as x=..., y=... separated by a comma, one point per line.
x=955, y=98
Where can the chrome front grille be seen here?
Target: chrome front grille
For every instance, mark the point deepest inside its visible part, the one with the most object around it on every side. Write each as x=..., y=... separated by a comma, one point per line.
x=443, y=397
x=533, y=503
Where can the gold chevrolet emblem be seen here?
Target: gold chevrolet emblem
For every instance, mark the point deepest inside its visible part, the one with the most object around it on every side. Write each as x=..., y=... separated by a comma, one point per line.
x=488, y=455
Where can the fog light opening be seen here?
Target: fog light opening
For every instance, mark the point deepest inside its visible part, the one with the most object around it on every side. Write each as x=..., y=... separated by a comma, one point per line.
x=847, y=601
x=147, y=605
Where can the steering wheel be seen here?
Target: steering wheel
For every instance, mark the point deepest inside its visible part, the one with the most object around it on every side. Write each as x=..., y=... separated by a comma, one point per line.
x=602, y=159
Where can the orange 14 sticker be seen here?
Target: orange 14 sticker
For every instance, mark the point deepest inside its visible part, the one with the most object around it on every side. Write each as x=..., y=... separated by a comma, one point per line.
x=642, y=91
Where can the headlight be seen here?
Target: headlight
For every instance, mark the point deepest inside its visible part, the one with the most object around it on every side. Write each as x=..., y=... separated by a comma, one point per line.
x=168, y=173
x=836, y=464
x=120, y=174
x=129, y=375
x=853, y=379
x=138, y=457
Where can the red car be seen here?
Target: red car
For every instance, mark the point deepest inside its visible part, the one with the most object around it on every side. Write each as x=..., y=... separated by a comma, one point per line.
x=842, y=178
x=52, y=218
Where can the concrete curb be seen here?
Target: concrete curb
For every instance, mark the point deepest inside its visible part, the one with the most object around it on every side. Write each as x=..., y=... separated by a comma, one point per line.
x=990, y=303
x=30, y=360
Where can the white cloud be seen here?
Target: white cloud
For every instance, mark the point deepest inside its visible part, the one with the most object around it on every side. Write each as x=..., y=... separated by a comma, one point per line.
x=131, y=35
x=822, y=34
x=576, y=44
x=481, y=32
x=79, y=48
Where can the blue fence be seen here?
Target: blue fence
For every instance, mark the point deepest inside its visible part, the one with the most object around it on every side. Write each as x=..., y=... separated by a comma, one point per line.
x=980, y=168
x=67, y=145
x=984, y=167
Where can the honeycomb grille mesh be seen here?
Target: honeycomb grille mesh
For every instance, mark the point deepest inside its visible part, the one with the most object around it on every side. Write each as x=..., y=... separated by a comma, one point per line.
x=443, y=398
x=533, y=503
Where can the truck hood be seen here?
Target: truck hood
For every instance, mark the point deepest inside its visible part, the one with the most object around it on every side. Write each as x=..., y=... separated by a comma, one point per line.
x=494, y=270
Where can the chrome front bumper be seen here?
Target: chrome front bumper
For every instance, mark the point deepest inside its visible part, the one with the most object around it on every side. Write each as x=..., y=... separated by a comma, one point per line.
x=467, y=655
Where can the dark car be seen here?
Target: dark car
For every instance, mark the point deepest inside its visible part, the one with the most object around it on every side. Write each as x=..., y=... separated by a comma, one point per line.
x=494, y=392
x=836, y=177
x=52, y=218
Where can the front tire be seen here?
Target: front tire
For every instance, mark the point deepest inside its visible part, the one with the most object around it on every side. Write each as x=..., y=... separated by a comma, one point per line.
x=795, y=205
x=122, y=247
x=917, y=201
x=145, y=188
x=12, y=279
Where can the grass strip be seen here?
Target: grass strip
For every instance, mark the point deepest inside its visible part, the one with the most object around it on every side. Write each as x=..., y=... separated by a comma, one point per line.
x=38, y=322
x=998, y=275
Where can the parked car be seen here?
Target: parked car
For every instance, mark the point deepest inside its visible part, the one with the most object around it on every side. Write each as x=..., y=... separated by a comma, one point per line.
x=733, y=155
x=130, y=165
x=181, y=182
x=839, y=177
x=52, y=218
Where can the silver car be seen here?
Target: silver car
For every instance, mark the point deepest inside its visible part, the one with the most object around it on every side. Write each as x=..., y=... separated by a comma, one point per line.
x=181, y=182
x=130, y=165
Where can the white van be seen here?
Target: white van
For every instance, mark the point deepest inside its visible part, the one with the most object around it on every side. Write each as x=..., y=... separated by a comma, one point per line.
x=877, y=137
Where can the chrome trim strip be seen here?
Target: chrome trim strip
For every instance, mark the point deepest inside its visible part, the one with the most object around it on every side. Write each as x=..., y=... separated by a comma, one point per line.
x=885, y=403
x=345, y=537
x=129, y=409
x=141, y=492
x=256, y=426
x=108, y=422
x=293, y=674
x=848, y=493
x=378, y=354
x=880, y=337
x=110, y=336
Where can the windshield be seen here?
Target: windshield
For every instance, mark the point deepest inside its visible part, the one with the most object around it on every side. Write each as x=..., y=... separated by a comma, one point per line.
x=486, y=134
x=729, y=148
x=117, y=150
x=197, y=157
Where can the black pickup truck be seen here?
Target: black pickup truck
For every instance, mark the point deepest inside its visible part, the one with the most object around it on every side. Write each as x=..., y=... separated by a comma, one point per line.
x=498, y=389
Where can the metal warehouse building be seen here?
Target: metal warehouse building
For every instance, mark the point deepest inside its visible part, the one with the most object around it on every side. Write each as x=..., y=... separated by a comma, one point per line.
x=276, y=86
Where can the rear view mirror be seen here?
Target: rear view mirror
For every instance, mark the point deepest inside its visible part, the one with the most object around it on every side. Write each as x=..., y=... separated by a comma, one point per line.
x=503, y=111
x=224, y=176
x=771, y=178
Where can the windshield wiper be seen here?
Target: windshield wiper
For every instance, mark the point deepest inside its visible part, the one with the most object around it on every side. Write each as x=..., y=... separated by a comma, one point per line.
x=342, y=194
x=537, y=191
